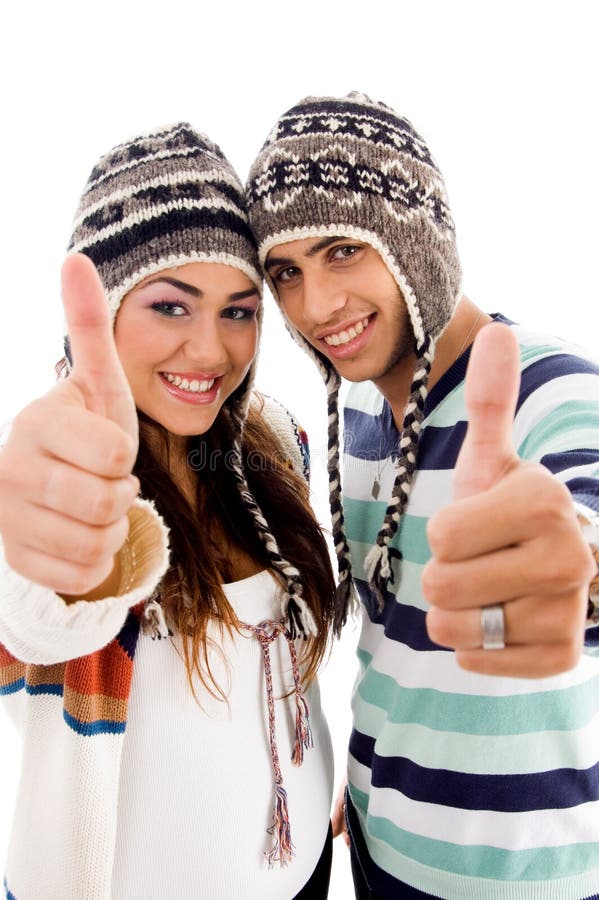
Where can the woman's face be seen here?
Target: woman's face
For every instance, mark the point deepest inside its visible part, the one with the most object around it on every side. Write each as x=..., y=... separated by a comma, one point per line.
x=186, y=338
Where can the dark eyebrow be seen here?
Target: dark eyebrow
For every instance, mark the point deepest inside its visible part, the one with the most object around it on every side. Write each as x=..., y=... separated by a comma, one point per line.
x=243, y=295
x=182, y=285
x=196, y=292
x=273, y=261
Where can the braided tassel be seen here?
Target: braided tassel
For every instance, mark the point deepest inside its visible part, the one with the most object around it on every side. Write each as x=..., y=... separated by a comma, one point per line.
x=153, y=621
x=303, y=731
x=378, y=560
x=282, y=851
x=298, y=615
x=379, y=572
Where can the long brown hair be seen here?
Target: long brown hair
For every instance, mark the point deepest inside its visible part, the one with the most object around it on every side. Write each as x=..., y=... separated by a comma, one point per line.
x=204, y=535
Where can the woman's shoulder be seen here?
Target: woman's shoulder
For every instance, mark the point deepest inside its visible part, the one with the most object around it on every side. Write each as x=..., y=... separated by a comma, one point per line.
x=293, y=438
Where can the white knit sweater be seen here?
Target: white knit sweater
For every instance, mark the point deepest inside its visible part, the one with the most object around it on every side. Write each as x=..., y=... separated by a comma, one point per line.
x=65, y=676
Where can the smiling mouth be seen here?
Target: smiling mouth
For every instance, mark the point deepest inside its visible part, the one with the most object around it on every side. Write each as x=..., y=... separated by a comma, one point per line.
x=344, y=337
x=193, y=387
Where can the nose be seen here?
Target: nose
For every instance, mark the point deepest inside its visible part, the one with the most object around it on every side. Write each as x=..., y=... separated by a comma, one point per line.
x=204, y=346
x=322, y=297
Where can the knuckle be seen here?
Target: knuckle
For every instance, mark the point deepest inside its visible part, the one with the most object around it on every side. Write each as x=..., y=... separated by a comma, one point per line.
x=469, y=661
x=434, y=583
x=32, y=420
x=93, y=546
x=48, y=485
x=439, y=629
x=572, y=566
x=552, y=498
x=104, y=506
x=436, y=533
x=26, y=418
x=122, y=454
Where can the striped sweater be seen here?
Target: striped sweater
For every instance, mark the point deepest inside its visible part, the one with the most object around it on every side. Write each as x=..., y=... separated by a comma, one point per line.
x=463, y=785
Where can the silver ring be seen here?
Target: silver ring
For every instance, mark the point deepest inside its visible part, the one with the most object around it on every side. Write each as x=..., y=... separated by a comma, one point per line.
x=492, y=623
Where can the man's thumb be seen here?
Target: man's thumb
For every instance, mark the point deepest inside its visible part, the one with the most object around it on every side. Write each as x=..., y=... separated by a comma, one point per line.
x=491, y=393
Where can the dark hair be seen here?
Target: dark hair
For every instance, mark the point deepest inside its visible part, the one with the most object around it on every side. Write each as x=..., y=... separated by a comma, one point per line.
x=203, y=538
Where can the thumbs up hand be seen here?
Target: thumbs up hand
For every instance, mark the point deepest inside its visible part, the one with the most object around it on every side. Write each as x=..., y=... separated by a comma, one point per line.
x=97, y=372
x=510, y=537
x=65, y=482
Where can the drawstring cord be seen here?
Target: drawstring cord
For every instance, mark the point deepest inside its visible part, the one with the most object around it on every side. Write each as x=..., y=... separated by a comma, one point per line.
x=282, y=851
x=266, y=632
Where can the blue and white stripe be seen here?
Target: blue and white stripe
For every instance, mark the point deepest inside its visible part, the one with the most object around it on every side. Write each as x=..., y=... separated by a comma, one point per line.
x=466, y=785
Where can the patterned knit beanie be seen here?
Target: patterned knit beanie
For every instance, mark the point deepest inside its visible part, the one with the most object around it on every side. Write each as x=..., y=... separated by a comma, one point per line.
x=164, y=199
x=353, y=167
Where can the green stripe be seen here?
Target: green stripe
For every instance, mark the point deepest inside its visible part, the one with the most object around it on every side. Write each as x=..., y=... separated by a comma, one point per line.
x=530, y=353
x=565, y=710
x=364, y=397
x=475, y=754
x=571, y=424
x=449, y=410
x=452, y=409
x=364, y=518
x=475, y=860
x=410, y=591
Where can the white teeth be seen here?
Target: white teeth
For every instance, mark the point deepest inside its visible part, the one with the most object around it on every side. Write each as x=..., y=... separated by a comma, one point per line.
x=194, y=386
x=344, y=337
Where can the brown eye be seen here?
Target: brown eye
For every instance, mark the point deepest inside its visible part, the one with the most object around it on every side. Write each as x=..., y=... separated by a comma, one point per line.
x=344, y=252
x=239, y=313
x=169, y=308
x=286, y=274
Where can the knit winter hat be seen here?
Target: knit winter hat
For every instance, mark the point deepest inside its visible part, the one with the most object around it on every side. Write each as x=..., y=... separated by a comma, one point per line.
x=164, y=199
x=353, y=167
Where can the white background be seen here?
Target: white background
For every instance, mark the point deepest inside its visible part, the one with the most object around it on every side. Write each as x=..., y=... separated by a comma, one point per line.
x=505, y=94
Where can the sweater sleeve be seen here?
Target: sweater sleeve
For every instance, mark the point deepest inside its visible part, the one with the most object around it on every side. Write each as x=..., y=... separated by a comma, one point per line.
x=557, y=424
x=38, y=626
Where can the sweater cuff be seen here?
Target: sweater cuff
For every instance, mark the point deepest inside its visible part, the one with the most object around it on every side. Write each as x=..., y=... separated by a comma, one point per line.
x=144, y=556
x=37, y=626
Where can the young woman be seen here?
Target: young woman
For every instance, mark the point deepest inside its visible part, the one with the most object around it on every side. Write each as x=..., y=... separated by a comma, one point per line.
x=198, y=765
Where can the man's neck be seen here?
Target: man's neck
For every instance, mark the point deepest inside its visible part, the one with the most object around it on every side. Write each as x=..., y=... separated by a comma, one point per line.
x=463, y=327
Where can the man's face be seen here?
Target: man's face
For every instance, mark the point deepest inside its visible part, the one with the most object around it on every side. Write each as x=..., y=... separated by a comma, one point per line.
x=341, y=297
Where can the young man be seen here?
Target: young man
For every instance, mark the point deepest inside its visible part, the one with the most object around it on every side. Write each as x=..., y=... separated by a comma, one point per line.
x=470, y=554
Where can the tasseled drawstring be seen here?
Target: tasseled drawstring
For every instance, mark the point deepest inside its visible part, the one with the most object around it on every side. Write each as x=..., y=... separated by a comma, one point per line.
x=297, y=613
x=303, y=731
x=153, y=622
x=282, y=850
x=347, y=602
x=377, y=565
